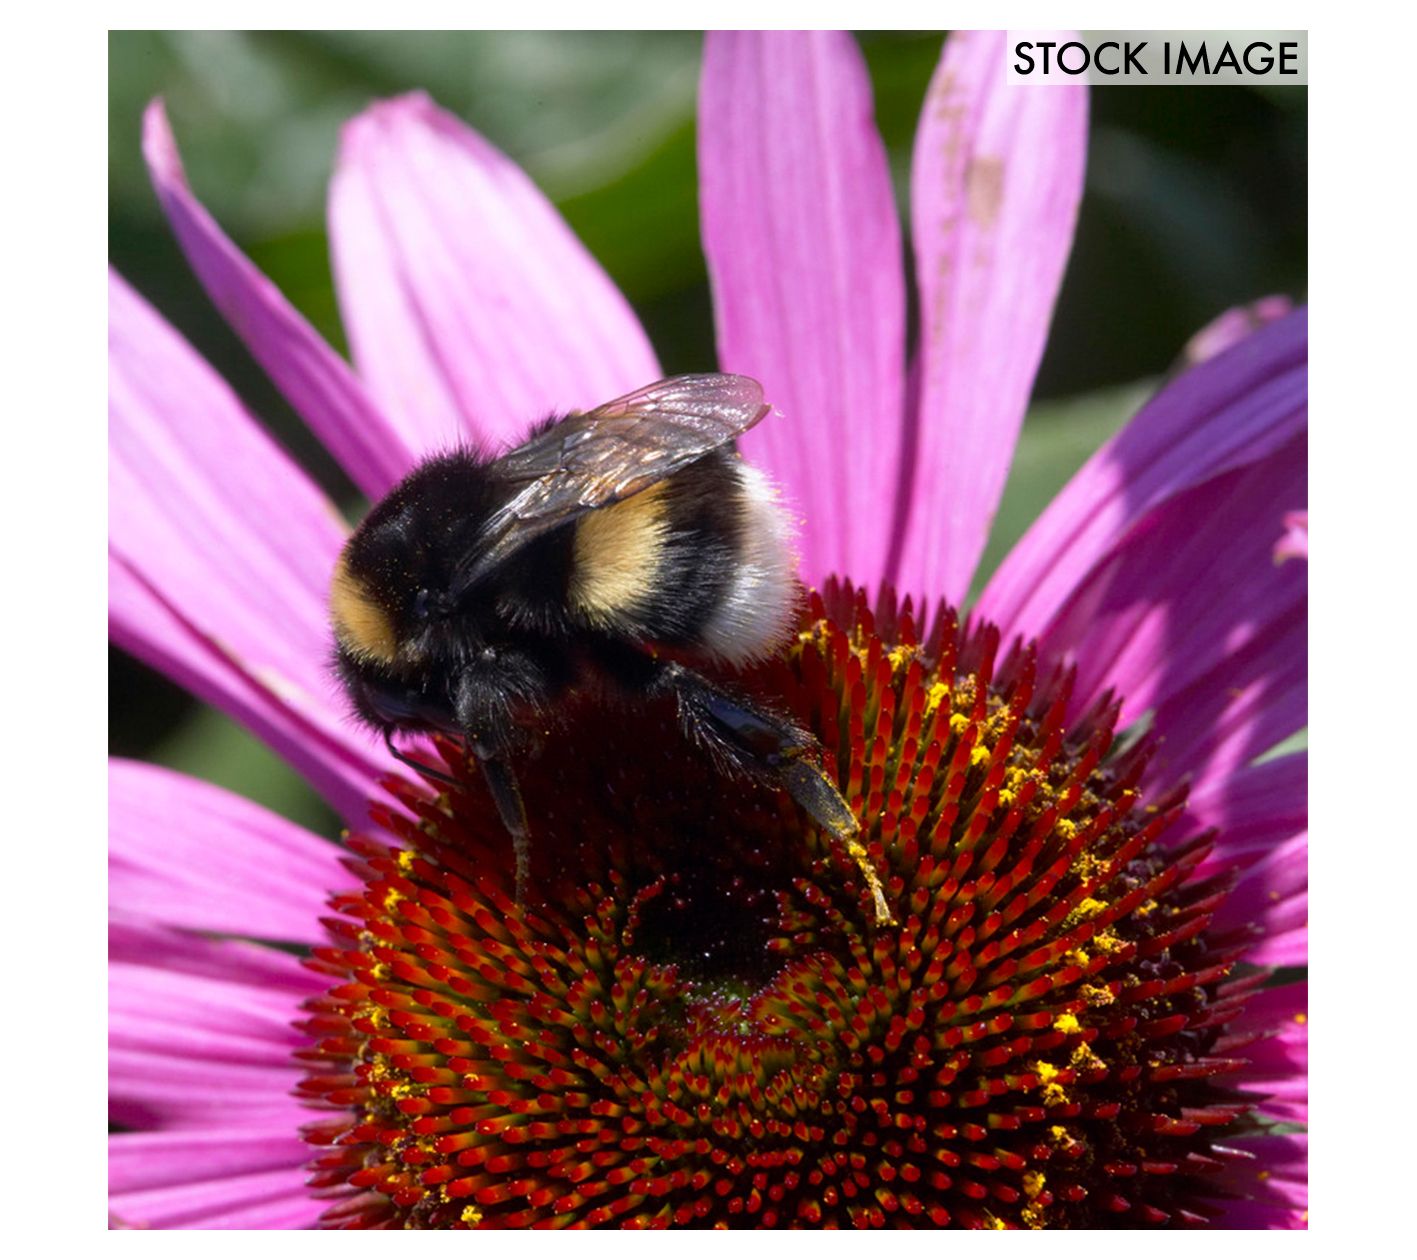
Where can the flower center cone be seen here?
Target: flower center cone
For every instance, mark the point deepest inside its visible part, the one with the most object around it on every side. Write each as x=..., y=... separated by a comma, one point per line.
x=696, y=1019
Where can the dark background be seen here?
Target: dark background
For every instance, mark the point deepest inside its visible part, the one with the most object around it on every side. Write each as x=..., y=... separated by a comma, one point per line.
x=1195, y=201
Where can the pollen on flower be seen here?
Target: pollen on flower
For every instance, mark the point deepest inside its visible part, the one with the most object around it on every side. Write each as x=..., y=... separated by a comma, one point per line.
x=695, y=1018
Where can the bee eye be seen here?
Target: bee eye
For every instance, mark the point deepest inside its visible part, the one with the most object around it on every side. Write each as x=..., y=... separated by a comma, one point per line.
x=422, y=604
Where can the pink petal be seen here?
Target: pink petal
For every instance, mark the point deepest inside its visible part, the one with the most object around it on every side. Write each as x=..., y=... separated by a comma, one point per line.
x=177, y=1157
x=1294, y=544
x=318, y=383
x=803, y=245
x=191, y=855
x=471, y=307
x=142, y=942
x=1228, y=412
x=199, y=1035
x=220, y=554
x=275, y=1199
x=997, y=178
x=1189, y=584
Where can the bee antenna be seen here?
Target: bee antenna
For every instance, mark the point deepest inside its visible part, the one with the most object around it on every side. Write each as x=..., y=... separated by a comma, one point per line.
x=413, y=764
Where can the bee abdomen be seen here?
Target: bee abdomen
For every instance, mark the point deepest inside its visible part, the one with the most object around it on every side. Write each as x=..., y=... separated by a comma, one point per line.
x=701, y=561
x=757, y=610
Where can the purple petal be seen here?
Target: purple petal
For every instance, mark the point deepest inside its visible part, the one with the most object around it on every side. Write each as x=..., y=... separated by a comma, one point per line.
x=1253, y=810
x=275, y=1199
x=1253, y=700
x=1230, y=411
x=803, y=246
x=471, y=307
x=998, y=174
x=220, y=555
x=1273, y=1184
x=1272, y=1034
x=1190, y=583
x=1270, y=905
x=190, y=855
x=318, y=383
x=1234, y=326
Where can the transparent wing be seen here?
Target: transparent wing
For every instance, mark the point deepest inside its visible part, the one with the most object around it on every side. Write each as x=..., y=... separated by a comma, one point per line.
x=592, y=460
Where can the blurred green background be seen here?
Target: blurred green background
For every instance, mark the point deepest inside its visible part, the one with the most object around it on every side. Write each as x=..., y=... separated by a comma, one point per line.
x=1196, y=200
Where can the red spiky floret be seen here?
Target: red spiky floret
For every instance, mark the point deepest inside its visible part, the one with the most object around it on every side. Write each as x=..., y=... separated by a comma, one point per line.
x=695, y=1019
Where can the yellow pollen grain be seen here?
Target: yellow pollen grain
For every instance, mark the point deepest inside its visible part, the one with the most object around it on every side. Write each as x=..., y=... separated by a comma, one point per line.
x=380, y=971
x=1006, y=797
x=959, y=723
x=1108, y=943
x=1067, y=1023
x=1147, y=907
x=1066, y=828
x=1085, y=1057
x=899, y=657
x=1054, y=1095
x=1078, y=957
x=392, y=899
x=471, y=1216
x=1087, y=908
x=1045, y=1072
x=404, y=857
x=1097, y=995
x=936, y=696
x=1033, y=1183
x=979, y=756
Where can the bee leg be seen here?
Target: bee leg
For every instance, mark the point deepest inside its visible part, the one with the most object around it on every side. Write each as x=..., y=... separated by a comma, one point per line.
x=765, y=745
x=413, y=763
x=507, y=797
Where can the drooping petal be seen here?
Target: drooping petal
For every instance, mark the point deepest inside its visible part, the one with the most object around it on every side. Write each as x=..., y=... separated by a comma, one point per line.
x=804, y=252
x=319, y=384
x=220, y=554
x=995, y=186
x=1250, y=702
x=264, y=1199
x=1230, y=411
x=472, y=309
x=1270, y=905
x=191, y=855
x=144, y=942
x=198, y=1034
x=1252, y=810
x=1233, y=326
x=151, y=1161
x=1272, y=1035
x=1273, y=1184
x=1191, y=582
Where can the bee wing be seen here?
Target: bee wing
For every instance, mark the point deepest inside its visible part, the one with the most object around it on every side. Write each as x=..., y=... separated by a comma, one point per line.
x=592, y=460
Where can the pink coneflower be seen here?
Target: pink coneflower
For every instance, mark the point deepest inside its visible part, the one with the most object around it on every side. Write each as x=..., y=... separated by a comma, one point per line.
x=695, y=1020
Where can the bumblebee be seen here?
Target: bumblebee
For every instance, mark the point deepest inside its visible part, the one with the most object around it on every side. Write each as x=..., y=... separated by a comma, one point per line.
x=620, y=549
